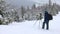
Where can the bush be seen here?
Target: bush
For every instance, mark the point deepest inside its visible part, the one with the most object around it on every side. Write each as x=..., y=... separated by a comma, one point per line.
x=1, y=22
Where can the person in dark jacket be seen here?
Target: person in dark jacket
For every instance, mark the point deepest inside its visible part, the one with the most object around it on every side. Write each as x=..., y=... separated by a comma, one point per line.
x=46, y=21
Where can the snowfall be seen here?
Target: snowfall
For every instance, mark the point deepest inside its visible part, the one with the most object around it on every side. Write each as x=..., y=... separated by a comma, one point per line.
x=32, y=27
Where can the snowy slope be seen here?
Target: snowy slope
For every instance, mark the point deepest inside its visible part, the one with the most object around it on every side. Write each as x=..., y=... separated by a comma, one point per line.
x=27, y=27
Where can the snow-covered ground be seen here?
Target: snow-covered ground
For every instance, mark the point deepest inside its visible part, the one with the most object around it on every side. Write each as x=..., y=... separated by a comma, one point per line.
x=28, y=27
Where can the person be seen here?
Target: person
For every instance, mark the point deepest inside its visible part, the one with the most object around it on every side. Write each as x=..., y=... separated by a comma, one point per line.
x=47, y=17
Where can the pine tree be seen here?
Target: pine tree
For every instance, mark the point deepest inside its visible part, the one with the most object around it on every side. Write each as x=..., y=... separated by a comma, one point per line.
x=34, y=6
x=22, y=11
x=3, y=6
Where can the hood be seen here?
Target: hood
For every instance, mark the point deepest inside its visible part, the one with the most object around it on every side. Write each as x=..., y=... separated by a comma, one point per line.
x=46, y=12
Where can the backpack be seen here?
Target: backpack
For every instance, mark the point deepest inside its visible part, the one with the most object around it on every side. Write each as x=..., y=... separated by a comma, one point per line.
x=50, y=17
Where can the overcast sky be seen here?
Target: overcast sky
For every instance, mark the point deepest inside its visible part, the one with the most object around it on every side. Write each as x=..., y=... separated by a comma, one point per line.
x=34, y=0
x=30, y=2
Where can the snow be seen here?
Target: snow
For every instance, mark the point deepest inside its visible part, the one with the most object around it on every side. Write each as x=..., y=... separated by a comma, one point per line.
x=0, y=16
x=28, y=27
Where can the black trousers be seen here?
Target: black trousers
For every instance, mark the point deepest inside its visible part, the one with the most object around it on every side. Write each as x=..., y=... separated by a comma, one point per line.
x=47, y=24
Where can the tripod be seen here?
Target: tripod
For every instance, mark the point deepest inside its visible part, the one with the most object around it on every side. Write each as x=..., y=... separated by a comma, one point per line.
x=38, y=23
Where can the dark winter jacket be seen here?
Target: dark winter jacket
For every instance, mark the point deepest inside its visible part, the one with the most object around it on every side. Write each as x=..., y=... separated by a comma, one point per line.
x=46, y=16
